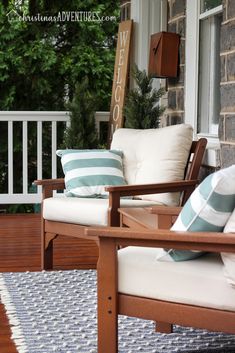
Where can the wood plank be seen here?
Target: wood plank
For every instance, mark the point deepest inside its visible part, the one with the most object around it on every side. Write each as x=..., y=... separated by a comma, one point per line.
x=20, y=251
x=6, y=344
x=120, y=77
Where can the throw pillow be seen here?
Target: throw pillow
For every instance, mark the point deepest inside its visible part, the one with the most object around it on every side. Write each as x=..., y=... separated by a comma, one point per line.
x=207, y=210
x=229, y=258
x=87, y=172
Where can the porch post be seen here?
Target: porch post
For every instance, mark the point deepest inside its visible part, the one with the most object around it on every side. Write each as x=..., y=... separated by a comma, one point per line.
x=149, y=17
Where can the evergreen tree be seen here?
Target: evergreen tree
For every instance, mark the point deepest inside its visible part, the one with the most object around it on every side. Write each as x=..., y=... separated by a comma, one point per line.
x=81, y=133
x=141, y=110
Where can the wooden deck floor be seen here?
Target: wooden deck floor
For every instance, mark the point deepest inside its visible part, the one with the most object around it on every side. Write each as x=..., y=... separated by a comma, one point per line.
x=20, y=251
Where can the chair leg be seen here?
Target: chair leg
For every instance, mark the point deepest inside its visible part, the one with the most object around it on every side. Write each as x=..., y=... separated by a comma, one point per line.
x=164, y=327
x=47, y=251
x=107, y=298
x=107, y=333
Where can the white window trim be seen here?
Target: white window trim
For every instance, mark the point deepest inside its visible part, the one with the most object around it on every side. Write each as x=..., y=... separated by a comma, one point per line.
x=191, y=71
x=213, y=11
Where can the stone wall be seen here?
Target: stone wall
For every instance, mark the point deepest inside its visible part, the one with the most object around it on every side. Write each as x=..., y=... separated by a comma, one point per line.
x=176, y=23
x=175, y=87
x=227, y=90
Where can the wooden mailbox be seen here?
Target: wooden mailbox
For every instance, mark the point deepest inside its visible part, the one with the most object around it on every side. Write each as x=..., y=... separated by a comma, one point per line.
x=163, y=56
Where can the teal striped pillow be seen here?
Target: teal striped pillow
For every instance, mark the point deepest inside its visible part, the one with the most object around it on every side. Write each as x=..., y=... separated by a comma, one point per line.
x=207, y=209
x=88, y=172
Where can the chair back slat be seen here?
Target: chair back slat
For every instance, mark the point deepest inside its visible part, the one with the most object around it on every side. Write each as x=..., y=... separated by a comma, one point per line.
x=193, y=166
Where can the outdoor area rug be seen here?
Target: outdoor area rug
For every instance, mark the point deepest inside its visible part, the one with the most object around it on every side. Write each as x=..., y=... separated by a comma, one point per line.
x=56, y=312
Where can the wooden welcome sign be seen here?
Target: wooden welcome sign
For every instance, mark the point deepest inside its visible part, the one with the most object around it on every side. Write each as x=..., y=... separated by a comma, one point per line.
x=120, y=77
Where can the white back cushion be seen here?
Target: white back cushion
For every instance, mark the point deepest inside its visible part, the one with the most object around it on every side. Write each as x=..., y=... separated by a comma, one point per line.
x=155, y=156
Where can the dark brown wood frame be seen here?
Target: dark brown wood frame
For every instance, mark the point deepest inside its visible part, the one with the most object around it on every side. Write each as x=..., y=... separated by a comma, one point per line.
x=50, y=229
x=111, y=302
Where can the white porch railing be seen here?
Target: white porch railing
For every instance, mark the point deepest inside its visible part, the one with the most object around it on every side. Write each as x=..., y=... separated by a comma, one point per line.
x=39, y=117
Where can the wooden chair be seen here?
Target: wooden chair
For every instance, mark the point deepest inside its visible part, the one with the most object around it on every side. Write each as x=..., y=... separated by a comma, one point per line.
x=52, y=227
x=113, y=301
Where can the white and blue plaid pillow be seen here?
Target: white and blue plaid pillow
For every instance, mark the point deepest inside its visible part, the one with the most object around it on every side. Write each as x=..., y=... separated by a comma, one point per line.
x=88, y=172
x=207, y=210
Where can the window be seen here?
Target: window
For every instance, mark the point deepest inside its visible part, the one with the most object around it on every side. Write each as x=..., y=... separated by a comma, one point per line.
x=209, y=68
x=202, y=77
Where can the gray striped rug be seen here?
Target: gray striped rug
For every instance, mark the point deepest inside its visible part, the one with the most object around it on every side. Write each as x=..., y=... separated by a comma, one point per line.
x=56, y=312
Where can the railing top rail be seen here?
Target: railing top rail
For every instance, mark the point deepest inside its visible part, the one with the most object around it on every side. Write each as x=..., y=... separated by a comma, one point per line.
x=102, y=113
x=34, y=116
x=43, y=115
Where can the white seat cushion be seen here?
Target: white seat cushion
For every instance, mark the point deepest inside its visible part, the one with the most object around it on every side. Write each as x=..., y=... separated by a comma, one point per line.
x=155, y=156
x=196, y=282
x=85, y=211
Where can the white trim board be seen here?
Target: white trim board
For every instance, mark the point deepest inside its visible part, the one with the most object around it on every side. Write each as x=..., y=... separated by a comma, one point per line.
x=191, y=63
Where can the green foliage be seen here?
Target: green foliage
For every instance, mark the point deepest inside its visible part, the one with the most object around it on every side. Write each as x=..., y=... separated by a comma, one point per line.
x=141, y=110
x=21, y=209
x=81, y=133
x=39, y=61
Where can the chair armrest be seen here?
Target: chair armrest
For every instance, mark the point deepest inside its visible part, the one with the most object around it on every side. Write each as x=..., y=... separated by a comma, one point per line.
x=207, y=241
x=141, y=189
x=54, y=184
x=48, y=185
x=115, y=192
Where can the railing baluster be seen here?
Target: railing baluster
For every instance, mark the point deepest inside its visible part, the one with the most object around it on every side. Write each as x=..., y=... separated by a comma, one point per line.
x=39, y=149
x=53, y=149
x=25, y=157
x=10, y=157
